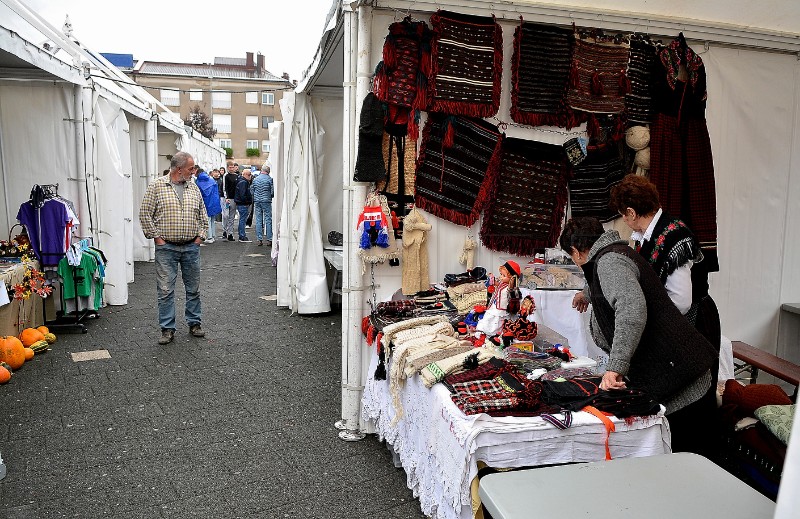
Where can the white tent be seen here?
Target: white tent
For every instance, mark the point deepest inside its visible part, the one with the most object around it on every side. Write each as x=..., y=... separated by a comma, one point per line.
x=69, y=117
x=750, y=52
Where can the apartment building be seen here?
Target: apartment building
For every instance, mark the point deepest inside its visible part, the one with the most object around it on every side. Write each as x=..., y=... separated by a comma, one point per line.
x=238, y=94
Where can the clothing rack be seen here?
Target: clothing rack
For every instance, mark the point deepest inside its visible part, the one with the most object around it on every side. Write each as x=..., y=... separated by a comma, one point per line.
x=70, y=322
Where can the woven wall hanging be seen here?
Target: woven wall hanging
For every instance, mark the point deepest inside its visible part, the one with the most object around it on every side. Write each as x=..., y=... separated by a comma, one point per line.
x=643, y=59
x=458, y=160
x=590, y=186
x=401, y=77
x=540, y=71
x=466, y=65
x=598, y=76
x=528, y=199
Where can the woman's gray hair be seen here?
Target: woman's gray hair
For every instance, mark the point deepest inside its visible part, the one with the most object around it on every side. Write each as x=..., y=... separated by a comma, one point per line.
x=179, y=160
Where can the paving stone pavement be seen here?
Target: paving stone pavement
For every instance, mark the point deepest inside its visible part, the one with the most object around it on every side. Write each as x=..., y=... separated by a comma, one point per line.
x=238, y=424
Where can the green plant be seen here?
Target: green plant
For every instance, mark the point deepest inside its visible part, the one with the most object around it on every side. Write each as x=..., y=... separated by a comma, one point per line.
x=253, y=152
x=228, y=153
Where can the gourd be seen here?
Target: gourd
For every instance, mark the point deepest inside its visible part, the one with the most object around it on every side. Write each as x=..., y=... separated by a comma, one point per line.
x=39, y=346
x=28, y=354
x=5, y=375
x=12, y=351
x=30, y=335
x=49, y=337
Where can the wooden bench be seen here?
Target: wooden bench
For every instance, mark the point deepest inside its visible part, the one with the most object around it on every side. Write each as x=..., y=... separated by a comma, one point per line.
x=752, y=360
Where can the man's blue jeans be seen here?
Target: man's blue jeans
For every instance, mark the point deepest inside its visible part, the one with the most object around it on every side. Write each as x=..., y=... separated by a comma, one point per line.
x=263, y=213
x=168, y=258
x=243, y=210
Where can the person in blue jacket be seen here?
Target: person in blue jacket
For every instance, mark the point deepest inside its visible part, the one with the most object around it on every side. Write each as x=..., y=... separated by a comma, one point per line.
x=210, y=191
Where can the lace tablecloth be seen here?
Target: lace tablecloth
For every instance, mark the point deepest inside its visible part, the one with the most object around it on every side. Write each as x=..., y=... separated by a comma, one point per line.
x=440, y=447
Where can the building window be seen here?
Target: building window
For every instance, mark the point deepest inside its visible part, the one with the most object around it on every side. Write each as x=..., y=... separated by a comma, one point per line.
x=251, y=121
x=222, y=123
x=266, y=119
x=170, y=98
x=195, y=95
x=252, y=144
x=267, y=98
x=251, y=98
x=265, y=146
x=224, y=143
x=221, y=100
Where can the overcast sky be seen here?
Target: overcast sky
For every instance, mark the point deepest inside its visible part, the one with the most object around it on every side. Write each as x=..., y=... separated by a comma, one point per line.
x=287, y=32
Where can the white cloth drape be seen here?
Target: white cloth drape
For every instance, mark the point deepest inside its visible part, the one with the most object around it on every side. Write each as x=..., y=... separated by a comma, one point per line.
x=302, y=278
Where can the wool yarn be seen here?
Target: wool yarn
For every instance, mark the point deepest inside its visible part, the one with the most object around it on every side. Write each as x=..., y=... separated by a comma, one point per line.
x=637, y=137
x=642, y=158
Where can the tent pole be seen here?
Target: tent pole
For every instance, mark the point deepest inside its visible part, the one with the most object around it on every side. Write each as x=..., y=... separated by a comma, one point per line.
x=355, y=194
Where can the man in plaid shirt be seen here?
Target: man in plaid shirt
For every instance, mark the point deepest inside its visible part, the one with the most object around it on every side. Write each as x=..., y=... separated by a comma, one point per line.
x=174, y=216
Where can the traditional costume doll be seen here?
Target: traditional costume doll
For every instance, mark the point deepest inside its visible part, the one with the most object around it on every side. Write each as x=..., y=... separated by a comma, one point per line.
x=498, y=309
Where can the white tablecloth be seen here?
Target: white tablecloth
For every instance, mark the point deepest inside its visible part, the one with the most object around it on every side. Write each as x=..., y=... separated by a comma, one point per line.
x=554, y=310
x=440, y=447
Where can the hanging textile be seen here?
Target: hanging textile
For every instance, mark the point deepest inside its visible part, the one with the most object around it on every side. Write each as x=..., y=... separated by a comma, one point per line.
x=467, y=65
x=398, y=187
x=590, y=186
x=458, y=161
x=47, y=229
x=370, y=166
x=401, y=78
x=415, y=254
x=527, y=202
x=643, y=60
x=598, y=77
x=681, y=163
x=540, y=71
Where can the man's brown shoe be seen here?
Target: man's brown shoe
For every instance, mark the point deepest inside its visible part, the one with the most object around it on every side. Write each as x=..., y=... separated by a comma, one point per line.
x=166, y=336
x=196, y=331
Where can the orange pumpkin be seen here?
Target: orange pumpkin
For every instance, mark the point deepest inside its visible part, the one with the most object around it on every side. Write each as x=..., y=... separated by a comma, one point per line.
x=28, y=354
x=44, y=329
x=30, y=335
x=5, y=375
x=12, y=351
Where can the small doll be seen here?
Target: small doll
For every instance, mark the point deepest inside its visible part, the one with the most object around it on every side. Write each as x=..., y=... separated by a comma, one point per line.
x=502, y=297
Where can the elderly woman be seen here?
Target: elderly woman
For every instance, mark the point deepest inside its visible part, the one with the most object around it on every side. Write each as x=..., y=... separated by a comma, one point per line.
x=651, y=345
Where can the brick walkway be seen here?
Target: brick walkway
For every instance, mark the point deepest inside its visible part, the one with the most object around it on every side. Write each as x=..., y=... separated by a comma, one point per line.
x=239, y=424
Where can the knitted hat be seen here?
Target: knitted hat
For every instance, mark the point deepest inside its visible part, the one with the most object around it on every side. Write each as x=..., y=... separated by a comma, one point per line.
x=642, y=158
x=637, y=137
x=512, y=267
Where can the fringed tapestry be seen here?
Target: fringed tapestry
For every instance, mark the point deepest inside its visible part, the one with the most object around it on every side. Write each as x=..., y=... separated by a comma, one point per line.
x=458, y=161
x=643, y=59
x=598, y=76
x=400, y=157
x=401, y=77
x=466, y=63
x=590, y=186
x=540, y=71
x=527, y=202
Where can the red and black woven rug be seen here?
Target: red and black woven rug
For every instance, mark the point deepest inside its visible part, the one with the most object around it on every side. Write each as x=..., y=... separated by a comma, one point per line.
x=590, y=186
x=528, y=199
x=540, y=71
x=598, y=78
x=466, y=65
x=458, y=160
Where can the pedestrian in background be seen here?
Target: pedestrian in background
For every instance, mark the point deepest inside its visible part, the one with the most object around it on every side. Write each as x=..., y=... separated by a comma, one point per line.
x=243, y=199
x=263, y=193
x=210, y=191
x=229, y=210
x=174, y=216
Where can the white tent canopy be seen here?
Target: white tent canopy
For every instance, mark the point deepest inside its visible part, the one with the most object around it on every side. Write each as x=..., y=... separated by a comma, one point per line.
x=68, y=117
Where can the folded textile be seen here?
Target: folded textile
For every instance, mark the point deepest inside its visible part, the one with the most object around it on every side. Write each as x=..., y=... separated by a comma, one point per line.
x=484, y=396
x=467, y=65
x=390, y=330
x=465, y=297
x=436, y=371
x=485, y=371
x=540, y=70
x=598, y=78
x=527, y=201
x=528, y=361
x=567, y=373
x=458, y=161
x=434, y=354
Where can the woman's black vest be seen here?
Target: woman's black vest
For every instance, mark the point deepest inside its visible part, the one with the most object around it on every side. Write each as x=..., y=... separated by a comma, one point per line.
x=671, y=353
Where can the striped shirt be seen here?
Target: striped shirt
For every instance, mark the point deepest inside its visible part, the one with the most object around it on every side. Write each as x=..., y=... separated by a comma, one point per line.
x=164, y=215
x=262, y=188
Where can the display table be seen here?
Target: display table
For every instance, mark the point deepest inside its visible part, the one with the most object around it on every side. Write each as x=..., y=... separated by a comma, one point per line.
x=439, y=447
x=660, y=487
x=10, y=314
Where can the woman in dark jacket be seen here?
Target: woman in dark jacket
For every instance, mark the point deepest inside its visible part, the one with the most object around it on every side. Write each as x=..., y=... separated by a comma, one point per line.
x=651, y=345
